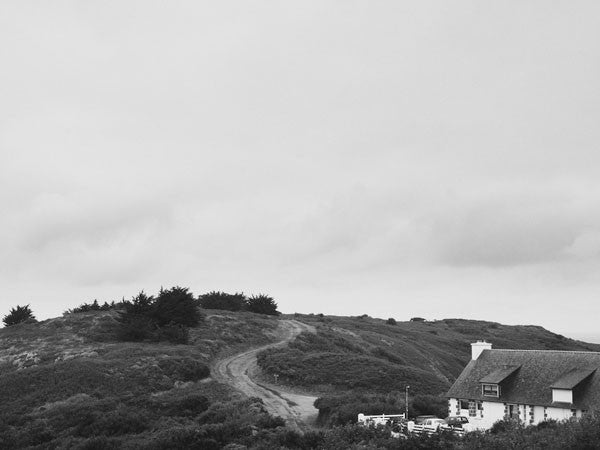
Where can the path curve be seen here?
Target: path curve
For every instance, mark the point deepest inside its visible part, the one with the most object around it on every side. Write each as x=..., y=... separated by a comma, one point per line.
x=297, y=410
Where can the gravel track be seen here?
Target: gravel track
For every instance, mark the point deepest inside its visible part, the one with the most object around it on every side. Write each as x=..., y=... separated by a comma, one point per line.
x=297, y=410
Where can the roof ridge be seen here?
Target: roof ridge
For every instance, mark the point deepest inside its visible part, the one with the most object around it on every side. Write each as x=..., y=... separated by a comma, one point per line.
x=542, y=351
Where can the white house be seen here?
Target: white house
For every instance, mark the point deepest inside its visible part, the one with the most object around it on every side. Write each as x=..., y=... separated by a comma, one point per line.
x=528, y=385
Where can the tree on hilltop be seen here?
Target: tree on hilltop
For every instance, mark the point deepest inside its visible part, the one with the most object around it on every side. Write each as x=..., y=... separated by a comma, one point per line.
x=176, y=306
x=262, y=304
x=166, y=317
x=19, y=314
x=223, y=300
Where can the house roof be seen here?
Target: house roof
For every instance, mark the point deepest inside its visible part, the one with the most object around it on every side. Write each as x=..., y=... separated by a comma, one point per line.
x=572, y=378
x=499, y=375
x=538, y=372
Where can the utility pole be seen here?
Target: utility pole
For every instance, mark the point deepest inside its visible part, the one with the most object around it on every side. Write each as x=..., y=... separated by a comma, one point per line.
x=406, y=401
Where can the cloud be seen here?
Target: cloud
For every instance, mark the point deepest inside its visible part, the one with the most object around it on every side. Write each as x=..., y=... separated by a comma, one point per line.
x=510, y=229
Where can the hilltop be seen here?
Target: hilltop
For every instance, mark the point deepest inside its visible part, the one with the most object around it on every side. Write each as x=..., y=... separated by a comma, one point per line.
x=68, y=382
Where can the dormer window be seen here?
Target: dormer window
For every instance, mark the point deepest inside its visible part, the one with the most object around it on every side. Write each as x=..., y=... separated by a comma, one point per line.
x=562, y=389
x=490, y=384
x=490, y=390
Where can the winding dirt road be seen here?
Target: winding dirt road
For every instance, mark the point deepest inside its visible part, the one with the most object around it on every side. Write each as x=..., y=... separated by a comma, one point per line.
x=297, y=410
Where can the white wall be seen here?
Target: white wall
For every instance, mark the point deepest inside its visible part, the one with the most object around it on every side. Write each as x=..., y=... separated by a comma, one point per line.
x=494, y=411
x=560, y=413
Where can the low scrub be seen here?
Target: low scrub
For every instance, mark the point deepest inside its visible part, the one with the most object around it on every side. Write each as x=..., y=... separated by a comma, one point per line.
x=260, y=304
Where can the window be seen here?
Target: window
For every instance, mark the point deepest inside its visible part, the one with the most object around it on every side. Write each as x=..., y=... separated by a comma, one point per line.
x=574, y=412
x=472, y=408
x=531, y=414
x=480, y=408
x=490, y=390
x=464, y=404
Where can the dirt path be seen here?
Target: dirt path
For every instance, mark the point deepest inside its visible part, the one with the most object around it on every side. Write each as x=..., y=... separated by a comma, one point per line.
x=297, y=410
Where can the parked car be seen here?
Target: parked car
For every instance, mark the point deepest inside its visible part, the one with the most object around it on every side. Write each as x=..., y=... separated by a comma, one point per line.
x=433, y=425
x=456, y=423
x=420, y=419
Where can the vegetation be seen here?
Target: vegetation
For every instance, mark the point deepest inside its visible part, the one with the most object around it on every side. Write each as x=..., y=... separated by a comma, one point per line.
x=165, y=318
x=95, y=306
x=574, y=435
x=222, y=300
x=19, y=314
x=336, y=410
x=69, y=382
x=352, y=358
x=261, y=304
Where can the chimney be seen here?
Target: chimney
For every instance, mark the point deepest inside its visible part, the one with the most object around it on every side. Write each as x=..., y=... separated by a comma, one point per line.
x=478, y=347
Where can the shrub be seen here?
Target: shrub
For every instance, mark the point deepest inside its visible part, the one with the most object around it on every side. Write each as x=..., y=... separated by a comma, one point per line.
x=177, y=334
x=175, y=306
x=429, y=404
x=19, y=314
x=112, y=423
x=164, y=318
x=391, y=321
x=262, y=304
x=338, y=410
x=95, y=306
x=136, y=323
x=222, y=300
x=184, y=368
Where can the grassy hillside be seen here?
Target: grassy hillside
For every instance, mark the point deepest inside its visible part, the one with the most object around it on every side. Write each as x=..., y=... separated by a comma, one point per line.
x=361, y=364
x=67, y=383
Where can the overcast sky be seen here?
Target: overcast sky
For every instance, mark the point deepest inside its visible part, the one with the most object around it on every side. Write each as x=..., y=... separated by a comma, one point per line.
x=397, y=159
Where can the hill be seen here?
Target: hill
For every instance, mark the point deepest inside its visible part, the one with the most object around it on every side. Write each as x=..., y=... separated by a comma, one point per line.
x=69, y=383
x=351, y=359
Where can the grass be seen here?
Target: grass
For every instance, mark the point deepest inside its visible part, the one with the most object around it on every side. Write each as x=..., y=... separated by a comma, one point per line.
x=362, y=353
x=68, y=383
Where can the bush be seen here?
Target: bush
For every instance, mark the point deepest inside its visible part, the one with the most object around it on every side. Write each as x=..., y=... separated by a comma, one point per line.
x=429, y=405
x=136, y=321
x=262, y=304
x=20, y=314
x=175, y=306
x=391, y=321
x=95, y=306
x=164, y=318
x=177, y=334
x=222, y=300
x=342, y=409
